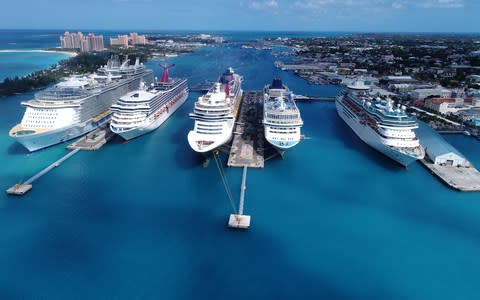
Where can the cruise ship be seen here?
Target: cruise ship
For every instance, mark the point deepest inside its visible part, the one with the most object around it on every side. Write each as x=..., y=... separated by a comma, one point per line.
x=78, y=104
x=215, y=113
x=145, y=109
x=281, y=116
x=381, y=124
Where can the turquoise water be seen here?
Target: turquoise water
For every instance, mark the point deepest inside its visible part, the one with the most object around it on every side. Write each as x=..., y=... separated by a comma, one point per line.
x=23, y=63
x=144, y=219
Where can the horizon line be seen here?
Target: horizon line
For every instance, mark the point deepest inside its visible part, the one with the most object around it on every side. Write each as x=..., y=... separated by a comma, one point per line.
x=249, y=30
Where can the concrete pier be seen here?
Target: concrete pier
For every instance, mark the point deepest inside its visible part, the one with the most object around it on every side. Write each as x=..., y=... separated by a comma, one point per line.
x=93, y=140
x=20, y=189
x=465, y=179
x=248, y=141
x=446, y=162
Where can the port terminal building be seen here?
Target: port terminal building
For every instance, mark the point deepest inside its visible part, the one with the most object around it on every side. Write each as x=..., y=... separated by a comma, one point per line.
x=438, y=150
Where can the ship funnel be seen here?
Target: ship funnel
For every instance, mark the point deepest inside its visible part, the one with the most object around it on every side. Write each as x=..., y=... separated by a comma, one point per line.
x=165, y=76
x=125, y=62
x=276, y=83
x=227, y=89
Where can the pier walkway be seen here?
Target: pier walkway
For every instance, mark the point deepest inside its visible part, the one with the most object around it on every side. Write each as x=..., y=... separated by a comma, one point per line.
x=22, y=188
x=91, y=141
x=248, y=141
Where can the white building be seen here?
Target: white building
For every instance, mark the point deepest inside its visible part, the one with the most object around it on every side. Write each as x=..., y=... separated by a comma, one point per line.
x=451, y=159
x=438, y=150
x=444, y=105
x=420, y=94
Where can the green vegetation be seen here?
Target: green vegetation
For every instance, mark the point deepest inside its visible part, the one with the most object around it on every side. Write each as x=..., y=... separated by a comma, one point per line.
x=82, y=63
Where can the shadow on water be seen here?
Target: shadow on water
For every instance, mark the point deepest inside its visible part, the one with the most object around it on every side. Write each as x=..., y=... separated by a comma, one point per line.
x=352, y=141
x=117, y=140
x=16, y=148
x=188, y=159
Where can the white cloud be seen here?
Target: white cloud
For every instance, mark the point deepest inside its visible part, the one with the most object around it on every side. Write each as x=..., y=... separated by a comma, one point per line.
x=397, y=5
x=312, y=4
x=259, y=5
x=375, y=5
x=442, y=4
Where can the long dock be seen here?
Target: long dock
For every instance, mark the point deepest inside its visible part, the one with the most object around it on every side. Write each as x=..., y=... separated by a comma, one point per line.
x=240, y=220
x=92, y=141
x=22, y=188
x=248, y=141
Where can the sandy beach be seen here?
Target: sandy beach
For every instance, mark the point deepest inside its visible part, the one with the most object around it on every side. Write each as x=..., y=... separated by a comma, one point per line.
x=71, y=54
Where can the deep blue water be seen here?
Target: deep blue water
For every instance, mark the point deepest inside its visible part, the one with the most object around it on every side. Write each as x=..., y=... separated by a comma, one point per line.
x=145, y=219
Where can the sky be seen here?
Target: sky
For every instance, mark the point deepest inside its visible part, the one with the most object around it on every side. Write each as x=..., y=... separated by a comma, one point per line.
x=281, y=15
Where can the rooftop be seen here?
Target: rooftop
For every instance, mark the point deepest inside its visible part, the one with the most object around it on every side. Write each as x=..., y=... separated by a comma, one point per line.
x=434, y=144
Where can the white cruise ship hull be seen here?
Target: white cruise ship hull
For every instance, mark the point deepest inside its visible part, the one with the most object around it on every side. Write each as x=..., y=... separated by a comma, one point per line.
x=369, y=136
x=93, y=105
x=281, y=142
x=37, y=141
x=150, y=123
x=204, y=143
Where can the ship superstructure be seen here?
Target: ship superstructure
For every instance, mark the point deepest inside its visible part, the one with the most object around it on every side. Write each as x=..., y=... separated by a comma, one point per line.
x=380, y=123
x=78, y=104
x=215, y=113
x=281, y=116
x=145, y=109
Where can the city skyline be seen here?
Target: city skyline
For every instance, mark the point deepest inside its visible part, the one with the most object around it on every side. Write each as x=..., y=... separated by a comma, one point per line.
x=269, y=15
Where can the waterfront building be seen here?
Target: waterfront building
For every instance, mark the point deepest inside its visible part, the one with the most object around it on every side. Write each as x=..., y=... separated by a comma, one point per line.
x=439, y=151
x=71, y=40
x=120, y=40
x=397, y=79
x=471, y=115
x=444, y=105
x=125, y=40
x=88, y=43
x=424, y=93
x=400, y=87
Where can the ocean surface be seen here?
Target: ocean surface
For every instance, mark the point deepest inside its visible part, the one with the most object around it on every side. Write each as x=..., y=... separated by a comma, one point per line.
x=145, y=219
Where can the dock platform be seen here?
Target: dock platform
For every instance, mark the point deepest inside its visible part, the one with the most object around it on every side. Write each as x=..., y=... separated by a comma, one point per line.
x=465, y=179
x=20, y=189
x=460, y=176
x=93, y=140
x=248, y=141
